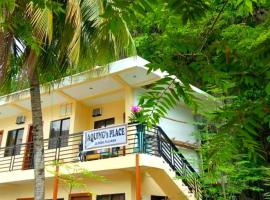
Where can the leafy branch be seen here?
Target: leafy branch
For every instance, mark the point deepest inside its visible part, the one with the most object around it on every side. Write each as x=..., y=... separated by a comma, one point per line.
x=164, y=95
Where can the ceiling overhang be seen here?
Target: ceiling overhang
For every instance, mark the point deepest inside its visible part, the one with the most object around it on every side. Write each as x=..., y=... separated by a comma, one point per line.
x=99, y=85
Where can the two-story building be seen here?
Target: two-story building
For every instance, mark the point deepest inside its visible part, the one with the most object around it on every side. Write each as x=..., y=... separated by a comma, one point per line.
x=85, y=119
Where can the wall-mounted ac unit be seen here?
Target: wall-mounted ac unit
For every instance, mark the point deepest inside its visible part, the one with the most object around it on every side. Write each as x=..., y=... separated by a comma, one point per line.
x=96, y=112
x=20, y=119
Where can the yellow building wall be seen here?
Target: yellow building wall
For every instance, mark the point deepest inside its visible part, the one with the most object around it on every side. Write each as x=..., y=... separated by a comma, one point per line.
x=114, y=109
x=53, y=113
x=80, y=118
x=117, y=182
x=8, y=124
x=49, y=114
x=150, y=187
x=121, y=181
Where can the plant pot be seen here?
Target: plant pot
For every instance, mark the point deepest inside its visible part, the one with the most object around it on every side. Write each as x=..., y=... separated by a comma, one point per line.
x=140, y=137
x=140, y=128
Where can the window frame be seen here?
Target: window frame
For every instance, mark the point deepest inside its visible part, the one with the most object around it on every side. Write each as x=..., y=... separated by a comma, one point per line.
x=110, y=195
x=14, y=146
x=105, y=122
x=80, y=195
x=52, y=144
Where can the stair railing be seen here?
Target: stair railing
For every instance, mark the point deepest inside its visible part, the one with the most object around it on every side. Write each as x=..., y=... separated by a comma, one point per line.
x=170, y=153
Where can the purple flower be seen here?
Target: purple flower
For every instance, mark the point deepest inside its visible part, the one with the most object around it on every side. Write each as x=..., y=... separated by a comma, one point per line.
x=136, y=109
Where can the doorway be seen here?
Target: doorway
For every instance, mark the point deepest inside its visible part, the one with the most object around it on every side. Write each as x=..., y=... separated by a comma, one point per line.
x=80, y=196
x=1, y=137
x=28, y=160
x=25, y=199
x=158, y=197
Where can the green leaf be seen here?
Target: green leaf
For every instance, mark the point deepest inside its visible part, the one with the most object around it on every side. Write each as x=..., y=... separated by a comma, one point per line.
x=267, y=88
x=249, y=5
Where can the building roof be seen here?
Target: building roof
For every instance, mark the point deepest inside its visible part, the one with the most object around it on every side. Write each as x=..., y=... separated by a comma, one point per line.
x=89, y=87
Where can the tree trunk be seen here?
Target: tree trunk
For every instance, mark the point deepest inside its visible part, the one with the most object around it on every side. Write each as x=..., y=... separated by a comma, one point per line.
x=37, y=123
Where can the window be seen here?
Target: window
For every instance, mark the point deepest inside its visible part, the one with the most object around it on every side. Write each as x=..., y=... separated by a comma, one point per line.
x=111, y=197
x=14, y=140
x=59, y=133
x=103, y=123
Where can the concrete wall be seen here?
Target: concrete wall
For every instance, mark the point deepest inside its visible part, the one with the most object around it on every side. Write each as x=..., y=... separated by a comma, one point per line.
x=182, y=128
x=156, y=179
x=116, y=182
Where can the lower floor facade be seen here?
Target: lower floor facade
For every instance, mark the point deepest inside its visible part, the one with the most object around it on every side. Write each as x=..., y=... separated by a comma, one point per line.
x=119, y=185
x=119, y=178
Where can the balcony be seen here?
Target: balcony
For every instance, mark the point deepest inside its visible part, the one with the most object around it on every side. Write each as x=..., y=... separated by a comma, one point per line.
x=140, y=140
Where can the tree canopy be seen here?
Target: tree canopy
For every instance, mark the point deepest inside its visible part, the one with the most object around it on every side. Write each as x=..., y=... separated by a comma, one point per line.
x=225, y=51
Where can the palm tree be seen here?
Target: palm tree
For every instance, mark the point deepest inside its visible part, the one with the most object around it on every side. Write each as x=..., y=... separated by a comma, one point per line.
x=44, y=40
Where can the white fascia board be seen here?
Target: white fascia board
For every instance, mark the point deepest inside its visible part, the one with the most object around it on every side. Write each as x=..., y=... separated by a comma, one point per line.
x=130, y=62
x=195, y=89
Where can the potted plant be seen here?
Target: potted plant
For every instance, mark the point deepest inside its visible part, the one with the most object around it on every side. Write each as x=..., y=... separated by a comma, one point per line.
x=137, y=117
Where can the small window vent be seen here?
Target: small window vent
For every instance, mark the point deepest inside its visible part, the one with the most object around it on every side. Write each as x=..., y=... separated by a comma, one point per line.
x=20, y=119
x=96, y=112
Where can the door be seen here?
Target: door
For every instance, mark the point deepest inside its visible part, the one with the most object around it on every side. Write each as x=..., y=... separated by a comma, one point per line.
x=1, y=137
x=111, y=197
x=28, y=160
x=80, y=196
x=25, y=199
x=158, y=197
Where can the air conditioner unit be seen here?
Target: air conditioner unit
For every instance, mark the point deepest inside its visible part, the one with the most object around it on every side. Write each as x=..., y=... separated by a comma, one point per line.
x=20, y=119
x=96, y=112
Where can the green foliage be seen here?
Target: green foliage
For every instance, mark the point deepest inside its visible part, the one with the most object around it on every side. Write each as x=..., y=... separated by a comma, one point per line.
x=161, y=97
x=73, y=176
x=225, y=53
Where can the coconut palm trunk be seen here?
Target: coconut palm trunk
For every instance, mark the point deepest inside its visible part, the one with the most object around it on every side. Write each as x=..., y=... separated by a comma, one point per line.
x=33, y=78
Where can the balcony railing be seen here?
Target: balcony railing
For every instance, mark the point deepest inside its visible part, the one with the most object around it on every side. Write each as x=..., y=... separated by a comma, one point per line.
x=68, y=149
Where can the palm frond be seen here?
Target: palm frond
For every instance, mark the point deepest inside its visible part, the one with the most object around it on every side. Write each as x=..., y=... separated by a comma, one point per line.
x=164, y=95
x=42, y=22
x=112, y=36
x=73, y=16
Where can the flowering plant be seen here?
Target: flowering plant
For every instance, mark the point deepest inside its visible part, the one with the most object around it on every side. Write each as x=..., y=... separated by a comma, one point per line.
x=137, y=114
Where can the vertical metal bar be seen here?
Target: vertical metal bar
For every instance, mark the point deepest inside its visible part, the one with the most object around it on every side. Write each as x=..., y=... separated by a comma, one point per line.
x=59, y=149
x=159, y=142
x=172, y=156
x=10, y=164
x=56, y=149
x=13, y=162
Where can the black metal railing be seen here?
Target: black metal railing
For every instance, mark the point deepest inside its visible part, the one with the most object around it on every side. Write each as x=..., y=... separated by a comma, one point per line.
x=140, y=140
x=178, y=163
